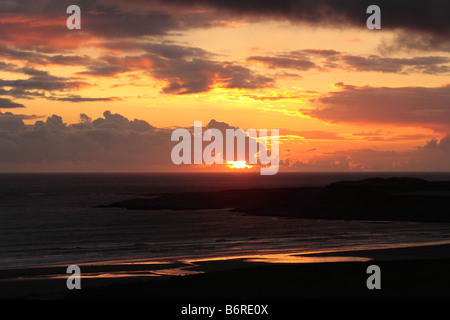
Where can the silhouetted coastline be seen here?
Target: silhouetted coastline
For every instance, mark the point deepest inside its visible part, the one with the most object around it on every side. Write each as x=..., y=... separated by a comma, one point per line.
x=378, y=199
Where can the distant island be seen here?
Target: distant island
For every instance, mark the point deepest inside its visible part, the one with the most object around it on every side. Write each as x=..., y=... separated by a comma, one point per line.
x=377, y=199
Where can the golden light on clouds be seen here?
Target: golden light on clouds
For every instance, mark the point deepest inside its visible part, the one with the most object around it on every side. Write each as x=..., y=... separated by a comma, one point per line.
x=337, y=88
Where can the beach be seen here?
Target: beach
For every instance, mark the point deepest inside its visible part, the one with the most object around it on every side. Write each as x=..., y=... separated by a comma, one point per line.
x=406, y=273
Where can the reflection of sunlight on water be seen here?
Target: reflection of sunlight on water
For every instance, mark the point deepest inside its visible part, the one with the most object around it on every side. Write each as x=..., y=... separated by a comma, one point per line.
x=119, y=274
x=97, y=275
x=285, y=258
x=176, y=272
x=153, y=273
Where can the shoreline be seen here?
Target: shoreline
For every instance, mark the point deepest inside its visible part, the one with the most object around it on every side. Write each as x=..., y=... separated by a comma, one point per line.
x=419, y=272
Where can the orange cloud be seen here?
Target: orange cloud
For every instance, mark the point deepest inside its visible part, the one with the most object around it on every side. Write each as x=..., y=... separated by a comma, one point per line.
x=420, y=106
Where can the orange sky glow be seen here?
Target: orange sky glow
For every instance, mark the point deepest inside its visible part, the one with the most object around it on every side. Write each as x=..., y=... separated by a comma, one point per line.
x=107, y=97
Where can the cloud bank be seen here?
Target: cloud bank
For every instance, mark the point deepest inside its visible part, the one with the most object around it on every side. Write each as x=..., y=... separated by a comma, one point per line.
x=405, y=106
x=115, y=143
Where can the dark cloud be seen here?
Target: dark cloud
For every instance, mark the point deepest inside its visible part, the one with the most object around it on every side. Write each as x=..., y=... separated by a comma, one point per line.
x=442, y=145
x=431, y=65
x=413, y=42
x=42, y=6
x=222, y=126
x=39, y=58
x=11, y=115
x=44, y=81
x=330, y=59
x=421, y=106
x=238, y=77
x=413, y=15
x=130, y=24
x=111, y=65
x=111, y=140
x=12, y=53
x=117, y=121
x=8, y=124
x=36, y=85
x=319, y=52
x=184, y=69
x=146, y=18
x=19, y=93
x=174, y=51
x=13, y=122
x=187, y=77
x=292, y=61
x=6, y=103
x=101, y=69
x=191, y=70
x=7, y=66
x=77, y=98
x=68, y=60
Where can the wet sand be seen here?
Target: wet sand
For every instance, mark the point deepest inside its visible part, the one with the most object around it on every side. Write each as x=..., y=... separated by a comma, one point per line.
x=406, y=273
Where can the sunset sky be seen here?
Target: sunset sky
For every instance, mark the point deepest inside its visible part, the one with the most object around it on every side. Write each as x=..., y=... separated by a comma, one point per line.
x=108, y=96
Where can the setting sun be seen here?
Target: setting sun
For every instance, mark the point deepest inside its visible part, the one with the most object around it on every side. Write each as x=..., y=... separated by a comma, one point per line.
x=238, y=164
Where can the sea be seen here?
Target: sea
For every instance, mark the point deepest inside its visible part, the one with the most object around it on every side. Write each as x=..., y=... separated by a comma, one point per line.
x=56, y=219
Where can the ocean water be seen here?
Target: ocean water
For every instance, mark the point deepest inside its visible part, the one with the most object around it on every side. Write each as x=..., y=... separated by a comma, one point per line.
x=53, y=220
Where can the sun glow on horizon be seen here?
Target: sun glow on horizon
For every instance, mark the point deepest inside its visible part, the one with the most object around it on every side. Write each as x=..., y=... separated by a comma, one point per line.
x=238, y=164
